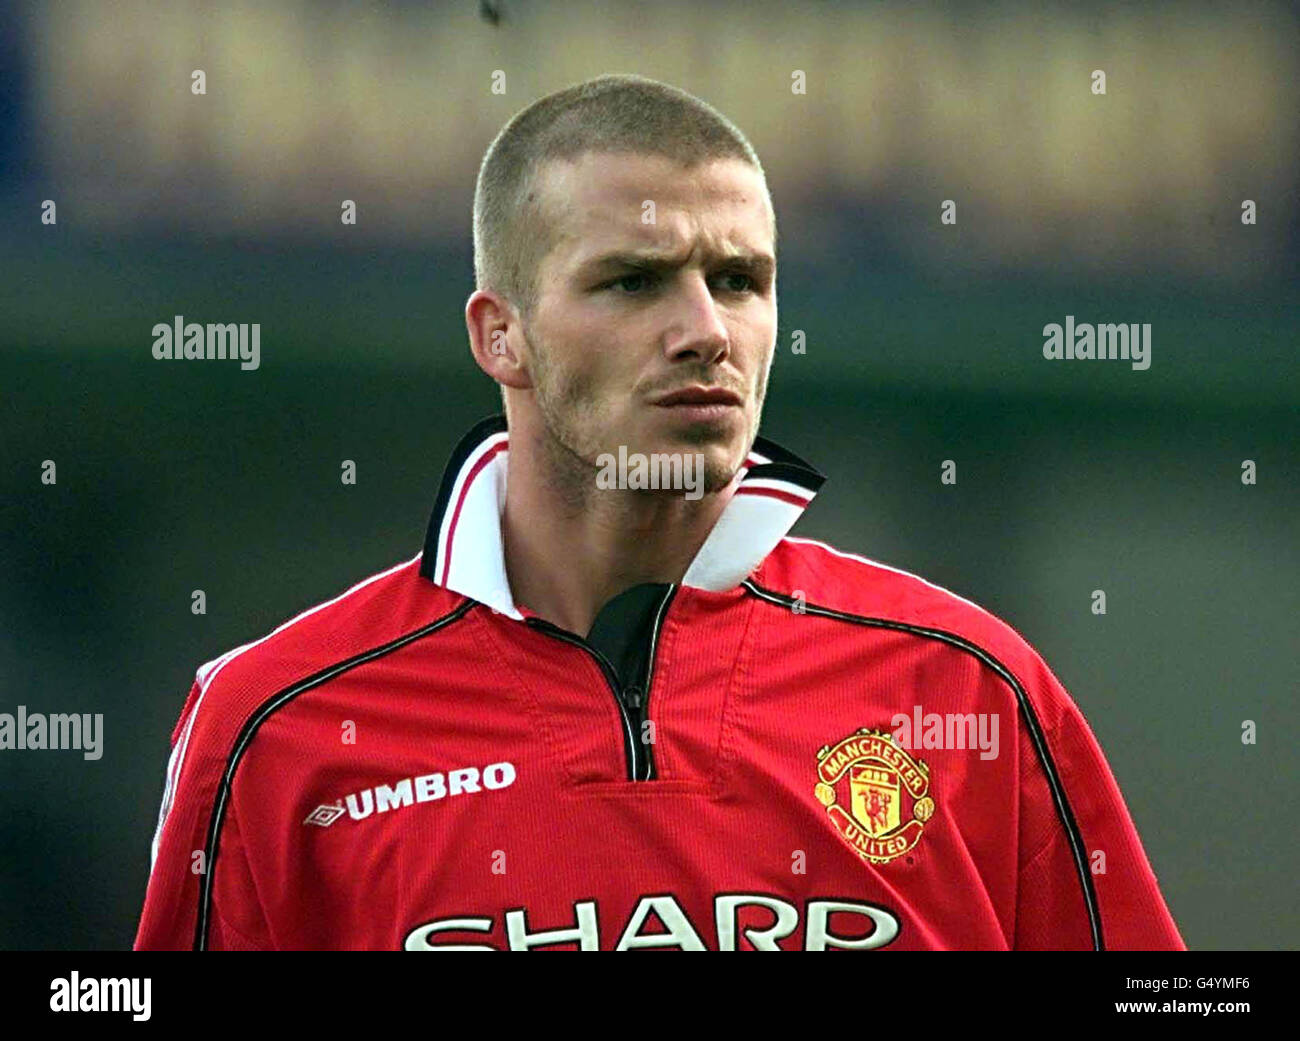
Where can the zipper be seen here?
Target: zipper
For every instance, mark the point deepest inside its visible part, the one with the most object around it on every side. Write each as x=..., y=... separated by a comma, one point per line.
x=611, y=677
x=643, y=704
x=635, y=696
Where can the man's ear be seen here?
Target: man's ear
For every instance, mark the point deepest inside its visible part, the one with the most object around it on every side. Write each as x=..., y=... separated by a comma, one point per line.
x=496, y=338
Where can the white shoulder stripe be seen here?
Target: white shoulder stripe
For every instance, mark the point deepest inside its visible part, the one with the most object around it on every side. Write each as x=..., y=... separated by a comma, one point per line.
x=886, y=567
x=208, y=671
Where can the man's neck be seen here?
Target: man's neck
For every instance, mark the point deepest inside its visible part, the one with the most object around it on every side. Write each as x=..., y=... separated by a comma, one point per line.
x=570, y=546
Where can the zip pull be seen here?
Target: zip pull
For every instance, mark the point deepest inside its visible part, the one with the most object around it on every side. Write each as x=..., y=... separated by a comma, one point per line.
x=632, y=697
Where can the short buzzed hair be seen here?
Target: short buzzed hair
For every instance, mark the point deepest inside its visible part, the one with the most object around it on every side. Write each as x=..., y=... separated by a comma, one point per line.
x=619, y=113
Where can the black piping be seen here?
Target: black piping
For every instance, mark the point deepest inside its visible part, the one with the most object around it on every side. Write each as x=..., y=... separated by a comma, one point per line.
x=809, y=480
x=780, y=455
x=249, y=730
x=1031, y=721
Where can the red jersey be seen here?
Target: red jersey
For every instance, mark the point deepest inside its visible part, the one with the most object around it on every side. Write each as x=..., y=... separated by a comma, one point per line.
x=793, y=748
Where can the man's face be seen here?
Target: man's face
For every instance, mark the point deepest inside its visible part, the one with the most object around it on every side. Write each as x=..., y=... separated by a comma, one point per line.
x=639, y=310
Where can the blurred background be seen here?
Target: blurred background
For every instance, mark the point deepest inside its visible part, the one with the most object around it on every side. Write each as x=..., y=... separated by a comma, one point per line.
x=924, y=343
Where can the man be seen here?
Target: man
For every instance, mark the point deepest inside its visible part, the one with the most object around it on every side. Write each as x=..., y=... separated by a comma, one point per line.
x=611, y=705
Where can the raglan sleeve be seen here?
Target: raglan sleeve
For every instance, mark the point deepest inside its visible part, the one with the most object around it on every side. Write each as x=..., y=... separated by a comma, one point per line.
x=1084, y=880
x=186, y=897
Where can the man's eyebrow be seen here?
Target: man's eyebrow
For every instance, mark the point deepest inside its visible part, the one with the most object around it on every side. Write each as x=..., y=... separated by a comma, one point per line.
x=654, y=260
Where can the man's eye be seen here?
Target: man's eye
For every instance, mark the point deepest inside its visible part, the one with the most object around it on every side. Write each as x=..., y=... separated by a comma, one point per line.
x=632, y=283
x=747, y=284
x=637, y=283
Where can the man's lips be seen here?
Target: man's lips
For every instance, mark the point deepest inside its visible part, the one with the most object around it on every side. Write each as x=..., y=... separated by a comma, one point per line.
x=699, y=396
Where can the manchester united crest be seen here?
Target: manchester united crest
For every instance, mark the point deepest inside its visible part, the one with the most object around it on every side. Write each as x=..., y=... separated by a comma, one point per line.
x=876, y=794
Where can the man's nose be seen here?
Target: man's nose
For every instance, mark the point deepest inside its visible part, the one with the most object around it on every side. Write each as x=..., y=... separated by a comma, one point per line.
x=697, y=331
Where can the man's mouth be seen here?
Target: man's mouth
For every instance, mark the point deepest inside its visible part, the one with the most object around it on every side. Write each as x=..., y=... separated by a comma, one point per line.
x=712, y=399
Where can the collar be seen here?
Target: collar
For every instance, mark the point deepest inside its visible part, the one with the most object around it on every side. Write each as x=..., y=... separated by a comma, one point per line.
x=463, y=550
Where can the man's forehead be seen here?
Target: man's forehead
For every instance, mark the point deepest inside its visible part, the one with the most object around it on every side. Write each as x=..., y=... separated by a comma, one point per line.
x=602, y=173
x=599, y=199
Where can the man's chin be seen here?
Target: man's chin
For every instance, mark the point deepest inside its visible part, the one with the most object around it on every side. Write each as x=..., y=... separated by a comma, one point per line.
x=718, y=478
x=721, y=454
x=716, y=465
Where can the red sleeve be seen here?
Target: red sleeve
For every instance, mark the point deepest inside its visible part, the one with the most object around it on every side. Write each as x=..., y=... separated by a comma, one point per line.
x=1078, y=817
x=180, y=857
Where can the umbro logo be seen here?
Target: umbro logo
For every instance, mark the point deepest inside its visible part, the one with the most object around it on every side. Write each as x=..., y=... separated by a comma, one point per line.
x=325, y=815
x=410, y=790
